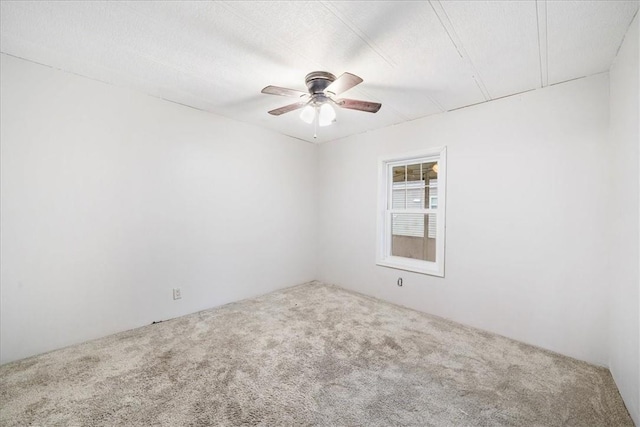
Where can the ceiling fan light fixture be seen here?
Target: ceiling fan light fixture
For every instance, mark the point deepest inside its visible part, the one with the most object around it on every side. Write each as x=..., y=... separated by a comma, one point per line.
x=308, y=114
x=326, y=115
x=317, y=104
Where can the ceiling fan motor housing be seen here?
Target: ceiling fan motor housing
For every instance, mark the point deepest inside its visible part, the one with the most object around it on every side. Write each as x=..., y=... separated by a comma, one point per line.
x=317, y=81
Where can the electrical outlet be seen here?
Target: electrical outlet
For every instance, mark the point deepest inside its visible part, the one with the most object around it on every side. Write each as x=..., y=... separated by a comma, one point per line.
x=177, y=294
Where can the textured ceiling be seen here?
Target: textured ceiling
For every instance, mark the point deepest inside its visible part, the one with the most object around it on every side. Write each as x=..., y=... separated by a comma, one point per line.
x=416, y=58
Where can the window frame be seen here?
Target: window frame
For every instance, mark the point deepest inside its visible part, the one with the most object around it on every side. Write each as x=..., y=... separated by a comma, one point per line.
x=385, y=188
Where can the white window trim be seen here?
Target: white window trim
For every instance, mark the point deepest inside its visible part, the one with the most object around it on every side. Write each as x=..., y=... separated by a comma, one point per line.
x=383, y=252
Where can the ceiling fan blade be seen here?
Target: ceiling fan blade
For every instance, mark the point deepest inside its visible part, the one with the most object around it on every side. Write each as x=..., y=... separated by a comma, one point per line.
x=354, y=104
x=343, y=83
x=283, y=91
x=287, y=108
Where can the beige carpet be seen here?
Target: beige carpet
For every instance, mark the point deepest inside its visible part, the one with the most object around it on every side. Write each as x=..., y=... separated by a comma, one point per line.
x=309, y=355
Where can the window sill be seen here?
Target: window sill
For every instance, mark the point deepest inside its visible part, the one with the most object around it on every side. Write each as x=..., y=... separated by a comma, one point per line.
x=416, y=266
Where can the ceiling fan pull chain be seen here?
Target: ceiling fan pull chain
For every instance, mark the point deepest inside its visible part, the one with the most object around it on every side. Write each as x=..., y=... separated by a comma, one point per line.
x=315, y=125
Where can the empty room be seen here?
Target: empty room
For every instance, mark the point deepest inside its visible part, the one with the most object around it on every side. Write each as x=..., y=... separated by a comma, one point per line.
x=328, y=213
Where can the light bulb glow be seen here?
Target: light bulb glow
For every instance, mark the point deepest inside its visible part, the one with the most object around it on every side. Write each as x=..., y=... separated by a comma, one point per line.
x=326, y=116
x=308, y=114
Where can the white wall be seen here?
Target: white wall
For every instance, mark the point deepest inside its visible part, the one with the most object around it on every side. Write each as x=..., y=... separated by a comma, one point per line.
x=527, y=186
x=624, y=329
x=111, y=198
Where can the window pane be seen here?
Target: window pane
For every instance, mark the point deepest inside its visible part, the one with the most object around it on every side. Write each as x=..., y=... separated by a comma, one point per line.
x=433, y=202
x=414, y=236
x=408, y=225
x=399, y=197
x=415, y=198
x=430, y=174
x=413, y=172
x=431, y=226
x=430, y=170
x=431, y=194
x=399, y=174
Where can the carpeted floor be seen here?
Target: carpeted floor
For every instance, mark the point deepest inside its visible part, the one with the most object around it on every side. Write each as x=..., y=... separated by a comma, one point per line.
x=309, y=355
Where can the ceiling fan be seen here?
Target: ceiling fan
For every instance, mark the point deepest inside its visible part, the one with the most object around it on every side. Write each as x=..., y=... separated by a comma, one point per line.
x=322, y=93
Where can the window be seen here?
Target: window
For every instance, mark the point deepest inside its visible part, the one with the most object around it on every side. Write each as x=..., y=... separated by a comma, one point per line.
x=411, y=221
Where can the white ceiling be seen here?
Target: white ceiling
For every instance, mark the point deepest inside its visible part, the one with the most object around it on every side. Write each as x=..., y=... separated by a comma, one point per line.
x=416, y=58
